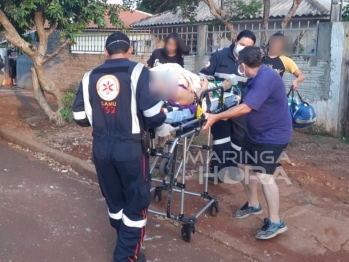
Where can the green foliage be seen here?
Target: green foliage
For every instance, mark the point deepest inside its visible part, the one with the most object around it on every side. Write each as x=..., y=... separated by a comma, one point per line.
x=345, y=14
x=67, y=110
x=41, y=134
x=317, y=131
x=71, y=16
x=240, y=10
x=235, y=9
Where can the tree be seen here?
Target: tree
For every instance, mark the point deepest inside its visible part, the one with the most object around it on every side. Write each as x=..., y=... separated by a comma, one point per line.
x=285, y=22
x=291, y=12
x=266, y=15
x=227, y=12
x=70, y=17
x=159, y=6
x=345, y=14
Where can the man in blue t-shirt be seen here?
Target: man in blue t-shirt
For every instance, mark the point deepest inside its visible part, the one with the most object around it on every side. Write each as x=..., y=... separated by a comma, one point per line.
x=269, y=130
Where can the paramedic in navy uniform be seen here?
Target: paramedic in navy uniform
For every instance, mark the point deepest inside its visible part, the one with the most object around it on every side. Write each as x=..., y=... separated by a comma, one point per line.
x=227, y=135
x=114, y=99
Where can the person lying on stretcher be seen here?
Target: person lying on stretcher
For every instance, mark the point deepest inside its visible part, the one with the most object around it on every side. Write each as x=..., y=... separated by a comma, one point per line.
x=179, y=86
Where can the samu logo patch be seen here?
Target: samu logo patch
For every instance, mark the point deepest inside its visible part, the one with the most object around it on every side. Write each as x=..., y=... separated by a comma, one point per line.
x=108, y=87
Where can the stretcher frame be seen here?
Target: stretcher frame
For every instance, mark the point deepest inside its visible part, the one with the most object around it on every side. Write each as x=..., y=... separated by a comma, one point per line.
x=185, y=133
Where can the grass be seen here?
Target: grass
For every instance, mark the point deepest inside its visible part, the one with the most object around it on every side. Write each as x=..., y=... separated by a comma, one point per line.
x=315, y=130
x=197, y=141
x=155, y=173
x=345, y=140
x=41, y=134
x=68, y=101
x=309, y=201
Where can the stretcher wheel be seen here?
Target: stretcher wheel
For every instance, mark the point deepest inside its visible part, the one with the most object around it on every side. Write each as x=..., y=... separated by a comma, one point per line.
x=214, y=211
x=158, y=196
x=187, y=232
x=163, y=168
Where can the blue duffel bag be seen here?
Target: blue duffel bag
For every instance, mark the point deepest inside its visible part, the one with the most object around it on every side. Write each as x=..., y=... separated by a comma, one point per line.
x=303, y=114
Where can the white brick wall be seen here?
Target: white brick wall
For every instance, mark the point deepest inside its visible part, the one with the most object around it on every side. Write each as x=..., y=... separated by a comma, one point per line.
x=314, y=87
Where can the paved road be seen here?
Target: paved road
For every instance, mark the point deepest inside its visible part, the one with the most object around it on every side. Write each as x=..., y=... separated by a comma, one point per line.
x=55, y=217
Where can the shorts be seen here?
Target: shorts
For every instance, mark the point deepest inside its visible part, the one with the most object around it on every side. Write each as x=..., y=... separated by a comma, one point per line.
x=264, y=158
x=13, y=72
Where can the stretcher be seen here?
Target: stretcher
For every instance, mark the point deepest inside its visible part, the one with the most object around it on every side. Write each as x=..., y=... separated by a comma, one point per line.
x=187, y=125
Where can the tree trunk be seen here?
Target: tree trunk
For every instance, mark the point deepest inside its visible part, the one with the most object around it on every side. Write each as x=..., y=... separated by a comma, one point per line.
x=291, y=13
x=39, y=79
x=266, y=15
x=297, y=42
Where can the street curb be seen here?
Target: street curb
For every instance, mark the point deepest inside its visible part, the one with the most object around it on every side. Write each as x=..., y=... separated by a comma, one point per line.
x=82, y=167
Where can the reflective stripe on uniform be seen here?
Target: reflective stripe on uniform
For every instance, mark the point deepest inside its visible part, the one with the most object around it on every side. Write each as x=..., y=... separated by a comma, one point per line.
x=238, y=148
x=154, y=110
x=221, y=141
x=79, y=115
x=130, y=223
x=116, y=216
x=226, y=76
x=134, y=83
x=86, y=94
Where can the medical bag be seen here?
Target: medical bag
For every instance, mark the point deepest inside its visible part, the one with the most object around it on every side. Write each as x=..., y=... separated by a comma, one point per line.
x=303, y=114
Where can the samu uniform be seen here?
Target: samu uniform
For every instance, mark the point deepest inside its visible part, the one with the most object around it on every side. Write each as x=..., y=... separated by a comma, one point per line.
x=227, y=135
x=115, y=100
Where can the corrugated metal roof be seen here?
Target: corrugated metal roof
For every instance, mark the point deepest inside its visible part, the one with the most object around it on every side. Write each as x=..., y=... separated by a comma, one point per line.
x=279, y=8
x=169, y=17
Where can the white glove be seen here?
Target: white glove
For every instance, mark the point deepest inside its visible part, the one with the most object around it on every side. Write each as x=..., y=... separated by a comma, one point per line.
x=164, y=130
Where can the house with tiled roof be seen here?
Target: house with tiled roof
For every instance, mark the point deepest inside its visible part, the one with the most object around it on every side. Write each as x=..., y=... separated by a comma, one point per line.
x=308, y=9
x=309, y=13
x=93, y=39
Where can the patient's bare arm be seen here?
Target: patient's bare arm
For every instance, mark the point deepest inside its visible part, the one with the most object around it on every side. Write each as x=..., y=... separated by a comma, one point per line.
x=186, y=96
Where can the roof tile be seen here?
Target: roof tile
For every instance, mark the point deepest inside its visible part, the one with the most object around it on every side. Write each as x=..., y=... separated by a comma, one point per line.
x=279, y=8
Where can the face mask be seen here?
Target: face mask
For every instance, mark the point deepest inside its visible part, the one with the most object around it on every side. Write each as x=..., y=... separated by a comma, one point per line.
x=243, y=74
x=239, y=48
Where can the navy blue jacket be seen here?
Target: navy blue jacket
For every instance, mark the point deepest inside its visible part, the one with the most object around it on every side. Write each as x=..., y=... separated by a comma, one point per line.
x=222, y=64
x=114, y=99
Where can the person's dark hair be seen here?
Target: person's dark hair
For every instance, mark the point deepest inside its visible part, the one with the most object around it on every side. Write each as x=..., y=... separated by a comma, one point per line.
x=248, y=34
x=182, y=48
x=277, y=35
x=117, y=43
x=251, y=56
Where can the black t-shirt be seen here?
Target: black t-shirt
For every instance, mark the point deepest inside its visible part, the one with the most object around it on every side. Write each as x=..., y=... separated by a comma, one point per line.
x=10, y=52
x=281, y=64
x=159, y=56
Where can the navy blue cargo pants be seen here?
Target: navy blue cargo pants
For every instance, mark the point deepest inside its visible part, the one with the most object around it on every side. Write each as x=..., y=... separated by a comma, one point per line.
x=123, y=173
x=226, y=144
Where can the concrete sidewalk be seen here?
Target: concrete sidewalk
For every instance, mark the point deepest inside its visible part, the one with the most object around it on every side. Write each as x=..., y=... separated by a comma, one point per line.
x=55, y=217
